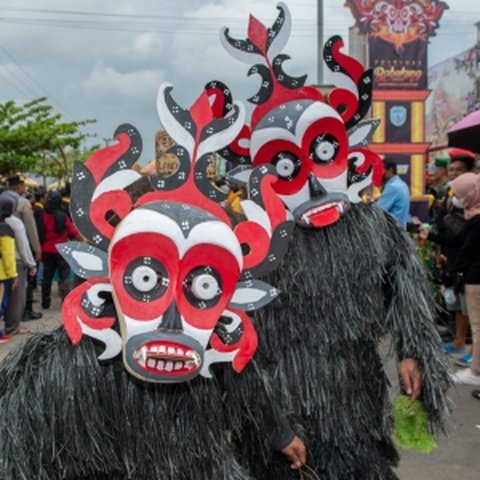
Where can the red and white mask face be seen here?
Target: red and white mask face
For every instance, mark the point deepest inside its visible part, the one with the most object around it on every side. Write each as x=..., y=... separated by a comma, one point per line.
x=306, y=142
x=174, y=270
x=315, y=144
x=181, y=286
x=169, y=279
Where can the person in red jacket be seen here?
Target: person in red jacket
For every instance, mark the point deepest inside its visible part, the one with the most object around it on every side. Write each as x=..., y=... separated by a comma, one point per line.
x=56, y=227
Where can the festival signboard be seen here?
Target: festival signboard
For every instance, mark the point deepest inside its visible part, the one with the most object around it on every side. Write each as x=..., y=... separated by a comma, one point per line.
x=397, y=34
x=406, y=69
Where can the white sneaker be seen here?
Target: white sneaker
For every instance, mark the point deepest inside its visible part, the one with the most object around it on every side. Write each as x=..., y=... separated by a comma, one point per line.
x=466, y=377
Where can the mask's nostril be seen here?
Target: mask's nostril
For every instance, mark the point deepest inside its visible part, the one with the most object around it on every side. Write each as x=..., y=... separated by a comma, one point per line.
x=171, y=318
x=316, y=189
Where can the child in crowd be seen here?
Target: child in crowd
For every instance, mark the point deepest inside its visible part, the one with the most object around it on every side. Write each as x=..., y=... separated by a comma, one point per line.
x=8, y=265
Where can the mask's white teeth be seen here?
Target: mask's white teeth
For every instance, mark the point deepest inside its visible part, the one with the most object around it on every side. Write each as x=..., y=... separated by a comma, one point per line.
x=306, y=219
x=196, y=359
x=143, y=354
x=306, y=216
x=148, y=357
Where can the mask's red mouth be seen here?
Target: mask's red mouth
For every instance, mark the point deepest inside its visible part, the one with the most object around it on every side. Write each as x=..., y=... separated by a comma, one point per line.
x=322, y=215
x=167, y=358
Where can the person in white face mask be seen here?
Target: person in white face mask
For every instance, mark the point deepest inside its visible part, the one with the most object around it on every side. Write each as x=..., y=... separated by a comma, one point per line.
x=465, y=272
x=450, y=220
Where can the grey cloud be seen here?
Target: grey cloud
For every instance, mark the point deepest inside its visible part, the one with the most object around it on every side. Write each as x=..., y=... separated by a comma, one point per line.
x=113, y=76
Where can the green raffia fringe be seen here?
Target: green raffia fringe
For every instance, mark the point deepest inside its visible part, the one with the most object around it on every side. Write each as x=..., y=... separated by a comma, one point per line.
x=411, y=425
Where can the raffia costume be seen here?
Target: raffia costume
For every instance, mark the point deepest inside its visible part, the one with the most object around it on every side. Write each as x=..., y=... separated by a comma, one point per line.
x=351, y=276
x=124, y=390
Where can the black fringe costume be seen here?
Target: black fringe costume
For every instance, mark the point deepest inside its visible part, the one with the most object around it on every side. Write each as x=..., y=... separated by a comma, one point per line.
x=345, y=287
x=65, y=415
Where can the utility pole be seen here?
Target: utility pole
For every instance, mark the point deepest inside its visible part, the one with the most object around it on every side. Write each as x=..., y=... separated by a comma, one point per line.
x=319, y=42
x=44, y=167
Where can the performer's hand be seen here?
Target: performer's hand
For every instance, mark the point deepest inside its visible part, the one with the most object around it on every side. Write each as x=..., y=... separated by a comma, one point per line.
x=411, y=377
x=296, y=452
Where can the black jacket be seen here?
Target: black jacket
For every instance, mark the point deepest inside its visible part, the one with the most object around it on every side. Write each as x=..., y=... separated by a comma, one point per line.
x=467, y=261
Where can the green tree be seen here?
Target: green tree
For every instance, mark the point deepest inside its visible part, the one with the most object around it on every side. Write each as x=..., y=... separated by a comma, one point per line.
x=31, y=133
x=59, y=164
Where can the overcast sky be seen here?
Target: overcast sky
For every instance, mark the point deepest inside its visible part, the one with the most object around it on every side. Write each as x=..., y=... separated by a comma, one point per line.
x=105, y=59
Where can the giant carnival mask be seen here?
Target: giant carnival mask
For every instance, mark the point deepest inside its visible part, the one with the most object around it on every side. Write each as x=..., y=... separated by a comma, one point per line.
x=316, y=145
x=181, y=276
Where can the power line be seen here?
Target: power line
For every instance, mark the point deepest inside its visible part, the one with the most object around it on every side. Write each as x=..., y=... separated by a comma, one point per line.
x=101, y=26
x=15, y=87
x=127, y=16
x=37, y=84
x=167, y=17
x=156, y=19
x=156, y=25
x=18, y=79
x=190, y=28
x=181, y=17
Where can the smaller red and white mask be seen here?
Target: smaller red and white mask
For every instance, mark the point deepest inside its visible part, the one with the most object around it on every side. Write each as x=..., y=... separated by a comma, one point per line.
x=317, y=146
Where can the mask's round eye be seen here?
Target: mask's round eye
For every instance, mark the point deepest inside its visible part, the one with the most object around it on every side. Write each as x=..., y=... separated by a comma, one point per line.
x=145, y=279
x=324, y=149
x=286, y=164
x=203, y=287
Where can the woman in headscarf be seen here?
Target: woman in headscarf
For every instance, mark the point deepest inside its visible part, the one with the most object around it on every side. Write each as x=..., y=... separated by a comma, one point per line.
x=56, y=227
x=466, y=268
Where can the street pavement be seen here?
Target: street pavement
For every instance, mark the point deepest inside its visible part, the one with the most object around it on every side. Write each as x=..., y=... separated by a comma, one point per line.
x=456, y=458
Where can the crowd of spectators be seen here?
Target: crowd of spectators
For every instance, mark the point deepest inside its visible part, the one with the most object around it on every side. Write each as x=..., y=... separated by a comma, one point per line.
x=31, y=223
x=454, y=235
